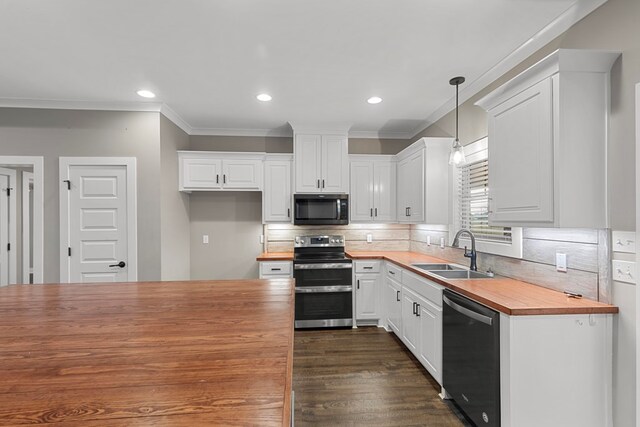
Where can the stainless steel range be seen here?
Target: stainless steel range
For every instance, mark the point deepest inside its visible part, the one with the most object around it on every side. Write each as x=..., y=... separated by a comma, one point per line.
x=324, y=291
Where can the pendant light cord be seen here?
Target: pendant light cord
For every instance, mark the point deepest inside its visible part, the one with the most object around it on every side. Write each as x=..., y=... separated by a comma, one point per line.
x=457, y=85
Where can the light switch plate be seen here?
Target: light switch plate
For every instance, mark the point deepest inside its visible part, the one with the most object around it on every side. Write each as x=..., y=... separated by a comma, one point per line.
x=442, y=242
x=205, y=239
x=624, y=271
x=369, y=238
x=428, y=240
x=561, y=262
x=623, y=241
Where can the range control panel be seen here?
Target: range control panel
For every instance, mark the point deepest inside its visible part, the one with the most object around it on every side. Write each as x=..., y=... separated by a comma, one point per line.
x=318, y=241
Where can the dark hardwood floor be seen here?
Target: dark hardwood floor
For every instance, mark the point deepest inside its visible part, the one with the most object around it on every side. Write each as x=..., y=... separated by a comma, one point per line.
x=364, y=376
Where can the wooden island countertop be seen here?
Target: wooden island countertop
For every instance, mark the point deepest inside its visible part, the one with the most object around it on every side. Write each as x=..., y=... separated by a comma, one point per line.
x=196, y=353
x=509, y=296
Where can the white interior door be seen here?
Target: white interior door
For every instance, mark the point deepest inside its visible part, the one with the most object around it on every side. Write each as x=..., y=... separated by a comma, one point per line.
x=98, y=220
x=8, y=226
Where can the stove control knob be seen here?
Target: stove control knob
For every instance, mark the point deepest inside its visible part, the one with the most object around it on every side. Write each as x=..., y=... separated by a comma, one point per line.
x=297, y=239
x=341, y=241
x=332, y=241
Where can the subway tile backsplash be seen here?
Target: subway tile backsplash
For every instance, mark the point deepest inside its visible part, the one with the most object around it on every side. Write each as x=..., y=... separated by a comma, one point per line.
x=587, y=252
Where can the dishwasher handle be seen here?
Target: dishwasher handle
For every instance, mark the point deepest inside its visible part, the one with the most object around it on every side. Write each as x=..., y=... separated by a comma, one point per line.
x=467, y=312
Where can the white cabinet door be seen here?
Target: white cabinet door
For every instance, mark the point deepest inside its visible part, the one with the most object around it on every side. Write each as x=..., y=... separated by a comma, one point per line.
x=410, y=321
x=367, y=296
x=393, y=291
x=437, y=182
x=277, y=192
x=402, y=195
x=361, y=197
x=242, y=174
x=384, y=191
x=521, y=157
x=335, y=164
x=201, y=173
x=430, y=338
x=415, y=175
x=308, y=154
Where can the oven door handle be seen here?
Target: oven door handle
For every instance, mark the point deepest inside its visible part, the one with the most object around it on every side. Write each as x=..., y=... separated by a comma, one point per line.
x=323, y=289
x=322, y=266
x=466, y=312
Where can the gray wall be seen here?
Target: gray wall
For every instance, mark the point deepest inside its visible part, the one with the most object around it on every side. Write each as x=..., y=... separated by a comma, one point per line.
x=174, y=206
x=56, y=133
x=233, y=222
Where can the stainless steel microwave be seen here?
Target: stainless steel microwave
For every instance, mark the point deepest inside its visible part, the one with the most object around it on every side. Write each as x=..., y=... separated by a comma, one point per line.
x=321, y=209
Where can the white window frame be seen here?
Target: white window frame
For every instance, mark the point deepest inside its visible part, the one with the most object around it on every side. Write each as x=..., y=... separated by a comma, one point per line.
x=474, y=152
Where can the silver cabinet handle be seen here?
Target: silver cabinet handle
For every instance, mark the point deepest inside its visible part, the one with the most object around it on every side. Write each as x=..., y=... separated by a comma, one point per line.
x=323, y=183
x=371, y=212
x=318, y=184
x=217, y=179
x=397, y=295
x=224, y=178
x=469, y=313
x=322, y=289
x=414, y=308
x=376, y=211
x=417, y=309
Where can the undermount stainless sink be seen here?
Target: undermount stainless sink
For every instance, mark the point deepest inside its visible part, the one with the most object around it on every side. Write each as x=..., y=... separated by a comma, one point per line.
x=436, y=267
x=461, y=274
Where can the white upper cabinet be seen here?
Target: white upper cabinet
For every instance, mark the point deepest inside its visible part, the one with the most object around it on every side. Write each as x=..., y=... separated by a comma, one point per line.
x=209, y=170
x=424, y=182
x=548, y=143
x=373, y=188
x=321, y=162
x=276, y=195
x=308, y=163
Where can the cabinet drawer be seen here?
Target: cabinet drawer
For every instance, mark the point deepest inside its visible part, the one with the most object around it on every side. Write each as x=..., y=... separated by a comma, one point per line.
x=394, y=272
x=367, y=267
x=423, y=287
x=275, y=268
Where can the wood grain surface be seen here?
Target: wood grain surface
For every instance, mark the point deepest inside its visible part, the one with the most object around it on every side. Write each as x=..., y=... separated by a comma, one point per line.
x=507, y=295
x=196, y=353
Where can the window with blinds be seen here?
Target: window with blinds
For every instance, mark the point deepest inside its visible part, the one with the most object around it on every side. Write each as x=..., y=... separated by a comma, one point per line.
x=473, y=199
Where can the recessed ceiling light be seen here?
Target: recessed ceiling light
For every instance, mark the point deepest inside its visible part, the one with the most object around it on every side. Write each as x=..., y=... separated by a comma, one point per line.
x=146, y=93
x=374, y=100
x=264, y=97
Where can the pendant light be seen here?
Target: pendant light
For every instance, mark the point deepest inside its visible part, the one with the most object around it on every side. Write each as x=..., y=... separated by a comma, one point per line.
x=457, y=156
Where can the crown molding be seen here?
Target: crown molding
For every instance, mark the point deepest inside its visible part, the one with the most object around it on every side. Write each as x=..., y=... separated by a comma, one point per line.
x=241, y=132
x=562, y=23
x=60, y=104
x=176, y=119
x=380, y=135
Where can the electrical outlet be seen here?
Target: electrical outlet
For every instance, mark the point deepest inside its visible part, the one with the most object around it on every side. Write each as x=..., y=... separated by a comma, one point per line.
x=261, y=238
x=442, y=243
x=624, y=271
x=205, y=239
x=561, y=262
x=369, y=238
x=428, y=240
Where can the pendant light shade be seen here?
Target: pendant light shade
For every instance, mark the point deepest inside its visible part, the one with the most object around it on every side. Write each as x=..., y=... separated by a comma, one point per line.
x=457, y=156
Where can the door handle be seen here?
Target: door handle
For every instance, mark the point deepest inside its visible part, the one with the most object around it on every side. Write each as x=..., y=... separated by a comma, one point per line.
x=323, y=183
x=121, y=264
x=358, y=284
x=414, y=308
x=376, y=212
x=409, y=209
x=217, y=179
x=417, y=309
x=224, y=178
x=371, y=212
x=288, y=212
x=318, y=184
x=398, y=296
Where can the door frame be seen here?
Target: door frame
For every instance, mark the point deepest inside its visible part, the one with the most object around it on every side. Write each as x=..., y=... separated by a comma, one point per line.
x=12, y=217
x=37, y=164
x=132, y=209
x=27, y=177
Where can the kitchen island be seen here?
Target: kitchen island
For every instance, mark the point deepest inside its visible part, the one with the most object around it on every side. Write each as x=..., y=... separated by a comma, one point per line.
x=147, y=353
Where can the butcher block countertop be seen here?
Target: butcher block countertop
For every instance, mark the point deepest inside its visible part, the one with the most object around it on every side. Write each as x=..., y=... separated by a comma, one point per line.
x=509, y=296
x=198, y=353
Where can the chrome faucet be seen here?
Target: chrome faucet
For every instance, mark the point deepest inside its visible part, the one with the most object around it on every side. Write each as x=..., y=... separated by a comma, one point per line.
x=472, y=254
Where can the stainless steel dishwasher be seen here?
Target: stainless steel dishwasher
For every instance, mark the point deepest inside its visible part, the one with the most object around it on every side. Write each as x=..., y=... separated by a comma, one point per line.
x=471, y=357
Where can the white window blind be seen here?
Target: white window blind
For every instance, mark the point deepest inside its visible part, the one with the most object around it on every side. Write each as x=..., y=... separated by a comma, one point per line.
x=473, y=199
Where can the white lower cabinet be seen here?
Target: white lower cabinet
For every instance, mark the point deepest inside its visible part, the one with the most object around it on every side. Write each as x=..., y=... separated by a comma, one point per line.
x=393, y=304
x=367, y=281
x=413, y=310
x=276, y=269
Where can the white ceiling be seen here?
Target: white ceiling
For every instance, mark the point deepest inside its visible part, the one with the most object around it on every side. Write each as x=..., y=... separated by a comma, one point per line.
x=320, y=60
